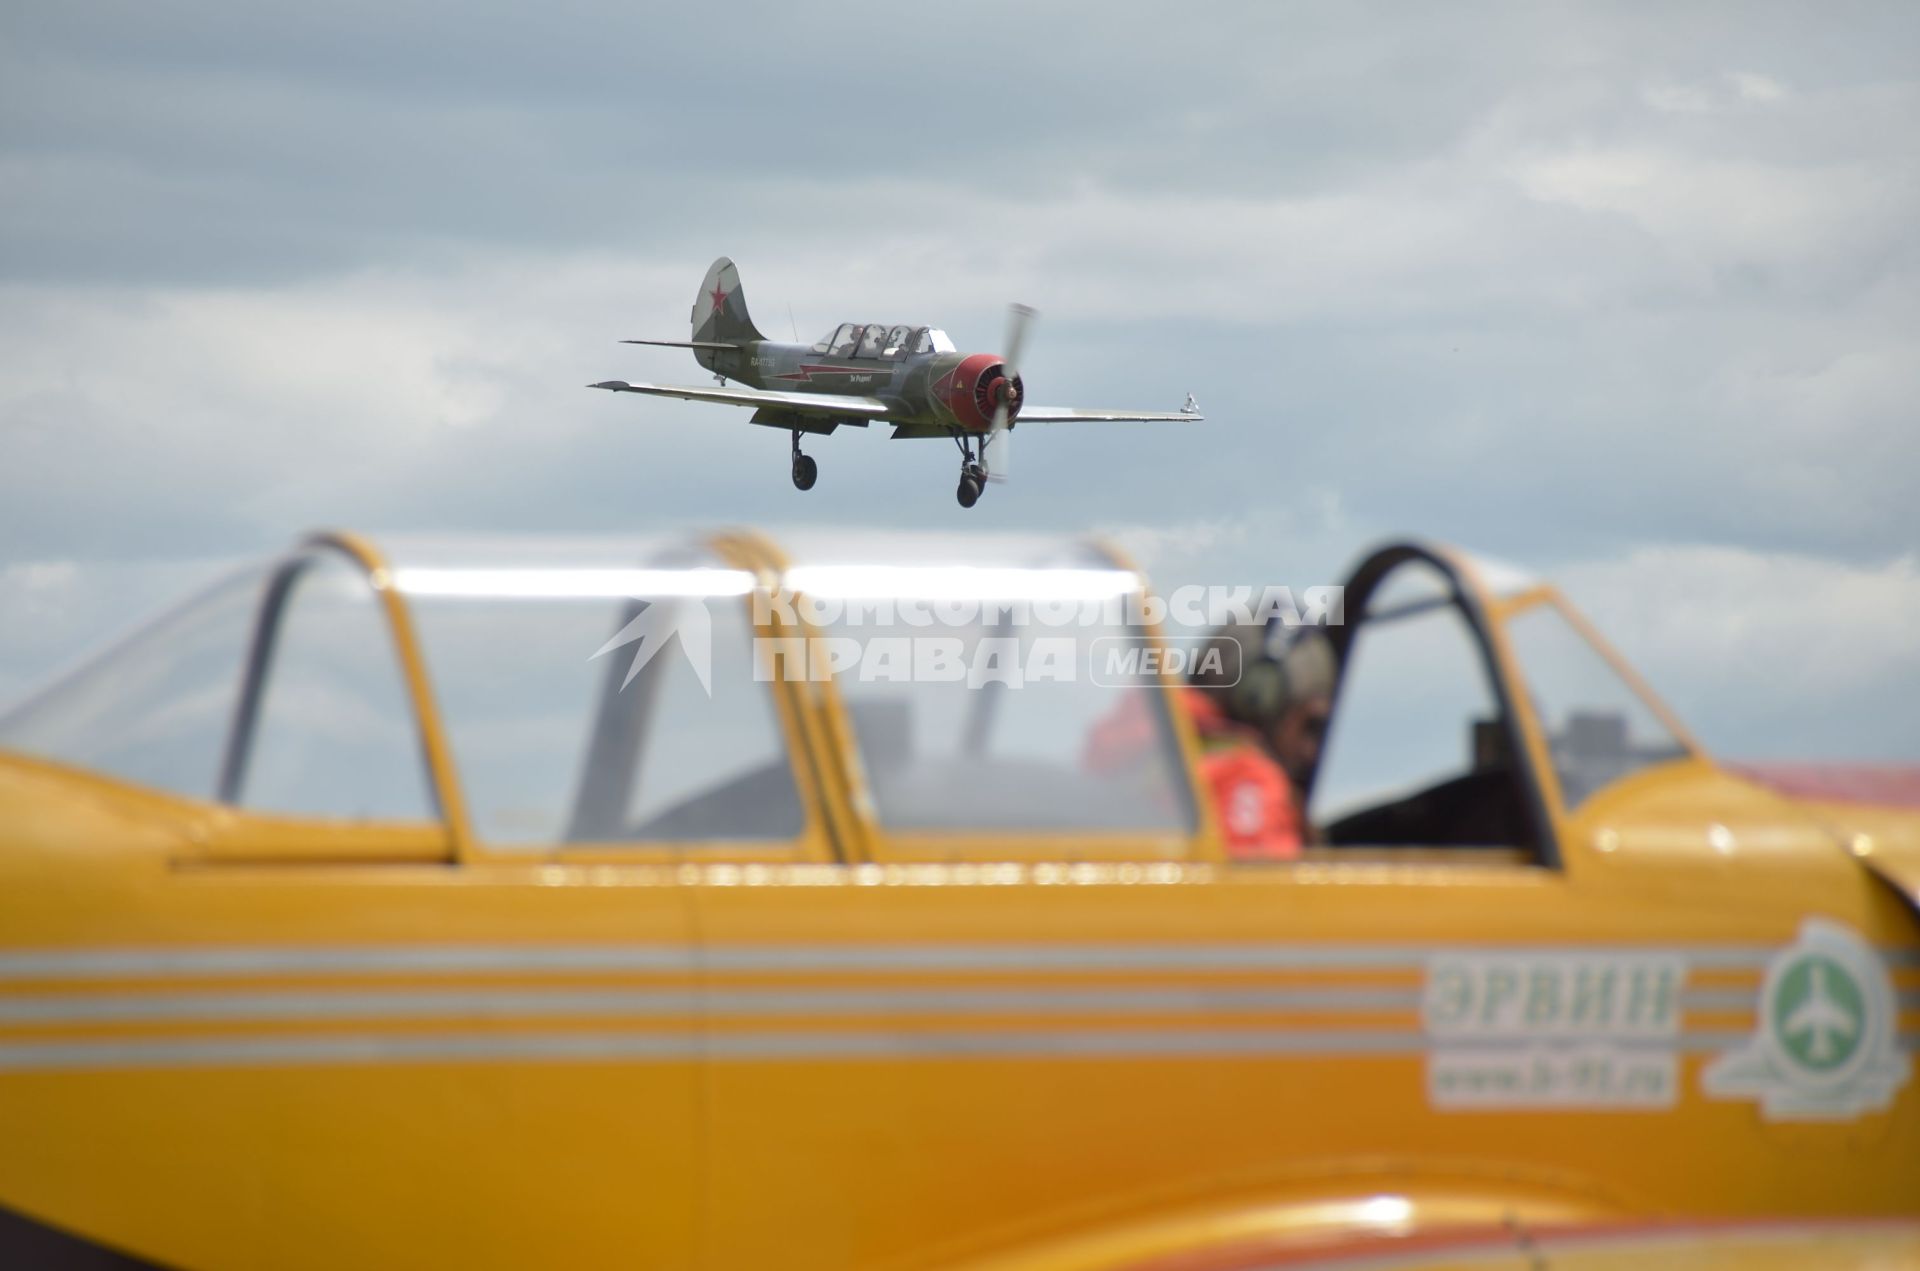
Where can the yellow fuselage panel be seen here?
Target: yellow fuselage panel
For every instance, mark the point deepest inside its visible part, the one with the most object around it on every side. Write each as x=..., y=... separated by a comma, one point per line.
x=233, y=1063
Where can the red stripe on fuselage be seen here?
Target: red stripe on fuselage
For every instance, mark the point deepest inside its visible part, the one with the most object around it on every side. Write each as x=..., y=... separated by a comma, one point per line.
x=806, y=373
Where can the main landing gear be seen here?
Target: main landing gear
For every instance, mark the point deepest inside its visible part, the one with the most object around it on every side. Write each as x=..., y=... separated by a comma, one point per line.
x=973, y=471
x=805, y=470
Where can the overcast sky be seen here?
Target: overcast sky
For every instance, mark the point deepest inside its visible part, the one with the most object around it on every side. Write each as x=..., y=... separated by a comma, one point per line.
x=1624, y=294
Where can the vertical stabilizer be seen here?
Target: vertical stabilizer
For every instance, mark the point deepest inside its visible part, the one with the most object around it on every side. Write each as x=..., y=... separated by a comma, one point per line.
x=720, y=310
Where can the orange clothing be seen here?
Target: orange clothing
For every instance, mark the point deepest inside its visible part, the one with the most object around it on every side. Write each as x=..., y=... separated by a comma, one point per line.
x=1252, y=798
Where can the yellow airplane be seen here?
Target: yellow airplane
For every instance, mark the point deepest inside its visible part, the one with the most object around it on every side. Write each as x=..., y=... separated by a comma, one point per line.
x=499, y=903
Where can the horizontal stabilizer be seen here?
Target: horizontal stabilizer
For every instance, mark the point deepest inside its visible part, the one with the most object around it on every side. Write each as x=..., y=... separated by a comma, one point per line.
x=687, y=344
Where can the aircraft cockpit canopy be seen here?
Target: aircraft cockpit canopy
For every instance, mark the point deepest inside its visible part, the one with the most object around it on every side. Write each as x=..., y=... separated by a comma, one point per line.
x=629, y=691
x=878, y=340
x=536, y=694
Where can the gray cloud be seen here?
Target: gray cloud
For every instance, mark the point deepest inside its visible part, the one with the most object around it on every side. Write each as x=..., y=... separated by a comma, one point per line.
x=1568, y=284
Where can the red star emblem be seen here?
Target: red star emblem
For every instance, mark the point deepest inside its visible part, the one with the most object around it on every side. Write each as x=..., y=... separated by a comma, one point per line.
x=719, y=297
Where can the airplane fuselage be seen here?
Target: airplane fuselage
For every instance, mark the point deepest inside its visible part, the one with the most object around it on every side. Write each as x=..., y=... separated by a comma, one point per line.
x=936, y=389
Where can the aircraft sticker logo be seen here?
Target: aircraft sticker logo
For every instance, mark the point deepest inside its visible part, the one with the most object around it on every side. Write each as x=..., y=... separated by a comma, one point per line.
x=1824, y=1049
x=1821, y=1009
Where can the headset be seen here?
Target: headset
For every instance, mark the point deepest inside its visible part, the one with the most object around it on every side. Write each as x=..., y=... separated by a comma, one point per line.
x=1265, y=685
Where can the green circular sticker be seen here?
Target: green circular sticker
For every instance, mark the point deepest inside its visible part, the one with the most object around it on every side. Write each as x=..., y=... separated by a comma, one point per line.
x=1818, y=1013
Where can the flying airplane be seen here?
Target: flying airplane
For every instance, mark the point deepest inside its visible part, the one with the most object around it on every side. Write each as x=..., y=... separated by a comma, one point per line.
x=908, y=376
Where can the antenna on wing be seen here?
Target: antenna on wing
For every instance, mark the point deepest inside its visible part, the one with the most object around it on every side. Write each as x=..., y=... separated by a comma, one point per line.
x=793, y=324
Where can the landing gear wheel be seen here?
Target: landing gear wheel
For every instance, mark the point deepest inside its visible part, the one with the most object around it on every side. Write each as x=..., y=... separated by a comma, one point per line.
x=969, y=491
x=805, y=472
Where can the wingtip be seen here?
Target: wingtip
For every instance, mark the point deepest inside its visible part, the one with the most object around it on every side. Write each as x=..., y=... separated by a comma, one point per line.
x=612, y=386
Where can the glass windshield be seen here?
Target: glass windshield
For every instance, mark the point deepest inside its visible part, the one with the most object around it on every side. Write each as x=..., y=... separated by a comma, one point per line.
x=1416, y=718
x=976, y=707
x=333, y=733
x=1598, y=728
x=154, y=709
x=571, y=684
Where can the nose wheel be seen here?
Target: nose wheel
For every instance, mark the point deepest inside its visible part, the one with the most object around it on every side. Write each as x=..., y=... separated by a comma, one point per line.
x=973, y=473
x=805, y=470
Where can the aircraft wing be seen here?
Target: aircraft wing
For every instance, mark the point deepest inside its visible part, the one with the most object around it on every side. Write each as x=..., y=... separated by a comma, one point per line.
x=833, y=404
x=1060, y=415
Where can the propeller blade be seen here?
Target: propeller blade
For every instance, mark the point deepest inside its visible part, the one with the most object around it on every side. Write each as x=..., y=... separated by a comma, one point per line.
x=998, y=456
x=1018, y=316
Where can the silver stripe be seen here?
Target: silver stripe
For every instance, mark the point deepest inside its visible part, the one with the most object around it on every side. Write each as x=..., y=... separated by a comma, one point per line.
x=504, y=1003
x=160, y=963
x=1749, y=999
x=797, y=959
x=1719, y=999
x=175, y=962
x=522, y=1003
x=251, y=1052
x=1135, y=957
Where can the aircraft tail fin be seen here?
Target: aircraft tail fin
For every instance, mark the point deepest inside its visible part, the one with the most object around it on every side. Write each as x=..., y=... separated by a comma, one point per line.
x=720, y=310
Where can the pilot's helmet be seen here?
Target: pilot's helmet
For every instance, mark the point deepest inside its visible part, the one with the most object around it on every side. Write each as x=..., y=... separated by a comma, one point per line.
x=1262, y=669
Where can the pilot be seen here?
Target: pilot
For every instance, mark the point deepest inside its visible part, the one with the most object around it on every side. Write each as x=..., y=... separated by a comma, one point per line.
x=1261, y=710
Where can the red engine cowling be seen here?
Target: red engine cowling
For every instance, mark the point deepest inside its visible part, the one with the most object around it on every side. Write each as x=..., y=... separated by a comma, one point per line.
x=972, y=390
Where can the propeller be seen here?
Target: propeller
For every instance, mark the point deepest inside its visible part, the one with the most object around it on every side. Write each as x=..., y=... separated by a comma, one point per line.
x=998, y=455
